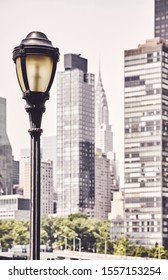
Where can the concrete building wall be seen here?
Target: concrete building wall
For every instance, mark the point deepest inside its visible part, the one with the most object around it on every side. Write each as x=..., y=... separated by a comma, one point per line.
x=102, y=186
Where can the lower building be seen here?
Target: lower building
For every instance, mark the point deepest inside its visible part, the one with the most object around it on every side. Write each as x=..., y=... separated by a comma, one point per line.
x=15, y=172
x=116, y=216
x=49, y=152
x=46, y=187
x=14, y=207
x=24, y=175
x=102, y=186
x=46, y=181
x=106, y=182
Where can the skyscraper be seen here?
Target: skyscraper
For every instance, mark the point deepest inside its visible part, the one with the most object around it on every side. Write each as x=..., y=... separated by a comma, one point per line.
x=46, y=181
x=146, y=143
x=75, y=137
x=103, y=132
x=6, y=159
x=49, y=153
x=46, y=187
x=24, y=174
x=161, y=19
x=15, y=175
x=103, y=186
x=106, y=177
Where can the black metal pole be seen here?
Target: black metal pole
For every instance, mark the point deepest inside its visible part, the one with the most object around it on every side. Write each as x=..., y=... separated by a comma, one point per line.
x=35, y=195
x=35, y=116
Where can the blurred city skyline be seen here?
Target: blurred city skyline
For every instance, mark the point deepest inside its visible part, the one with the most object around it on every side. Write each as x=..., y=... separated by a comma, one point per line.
x=96, y=29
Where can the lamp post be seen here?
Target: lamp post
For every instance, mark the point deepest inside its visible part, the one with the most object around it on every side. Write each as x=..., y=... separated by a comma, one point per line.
x=36, y=61
x=74, y=244
x=66, y=240
x=79, y=239
x=105, y=247
x=80, y=245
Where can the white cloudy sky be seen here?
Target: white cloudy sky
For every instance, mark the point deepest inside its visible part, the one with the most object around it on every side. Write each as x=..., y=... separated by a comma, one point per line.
x=92, y=28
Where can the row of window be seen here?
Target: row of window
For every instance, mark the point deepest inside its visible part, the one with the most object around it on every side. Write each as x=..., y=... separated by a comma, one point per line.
x=141, y=68
x=148, y=229
x=140, y=56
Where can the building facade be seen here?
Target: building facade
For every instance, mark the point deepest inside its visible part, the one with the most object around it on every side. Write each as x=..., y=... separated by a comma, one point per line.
x=106, y=175
x=103, y=186
x=15, y=172
x=6, y=159
x=49, y=150
x=161, y=19
x=75, y=137
x=46, y=188
x=14, y=207
x=117, y=216
x=24, y=174
x=146, y=143
x=46, y=181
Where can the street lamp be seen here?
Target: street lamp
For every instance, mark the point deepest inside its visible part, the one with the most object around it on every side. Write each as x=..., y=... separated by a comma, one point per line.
x=79, y=239
x=80, y=245
x=36, y=61
x=105, y=247
x=66, y=240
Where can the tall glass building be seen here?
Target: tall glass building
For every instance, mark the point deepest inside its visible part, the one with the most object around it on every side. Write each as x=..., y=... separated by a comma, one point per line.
x=6, y=159
x=75, y=137
x=146, y=143
x=161, y=19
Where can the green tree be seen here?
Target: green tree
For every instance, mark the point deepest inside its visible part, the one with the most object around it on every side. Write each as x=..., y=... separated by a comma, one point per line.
x=163, y=253
x=21, y=232
x=84, y=228
x=80, y=226
x=122, y=246
x=79, y=215
x=49, y=228
x=6, y=234
x=65, y=233
x=158, y=252
x=141, y=251
x=102, y=234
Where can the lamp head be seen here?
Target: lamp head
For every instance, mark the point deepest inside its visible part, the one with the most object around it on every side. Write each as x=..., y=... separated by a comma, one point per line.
x=36, y=61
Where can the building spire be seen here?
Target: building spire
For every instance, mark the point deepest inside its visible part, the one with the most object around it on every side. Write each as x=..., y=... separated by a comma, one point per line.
x=101, y=101
x=99, y=82
x=99, y=77
x=104, y=135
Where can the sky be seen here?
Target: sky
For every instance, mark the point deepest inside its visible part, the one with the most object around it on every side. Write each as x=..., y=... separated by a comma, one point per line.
x=97, y=29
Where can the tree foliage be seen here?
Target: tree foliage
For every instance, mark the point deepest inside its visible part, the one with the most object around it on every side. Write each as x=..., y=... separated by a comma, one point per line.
x=14, y=232
x=57, y=232
x=158, y=252
x=6, y=234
